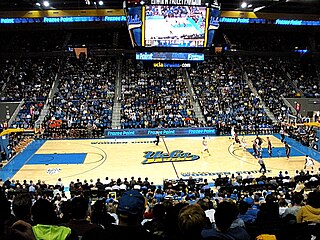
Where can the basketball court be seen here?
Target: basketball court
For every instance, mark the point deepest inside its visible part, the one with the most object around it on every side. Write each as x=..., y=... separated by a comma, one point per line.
x=173, y=158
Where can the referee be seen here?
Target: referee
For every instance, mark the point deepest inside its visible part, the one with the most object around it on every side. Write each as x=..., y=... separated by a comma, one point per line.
x=157, y=139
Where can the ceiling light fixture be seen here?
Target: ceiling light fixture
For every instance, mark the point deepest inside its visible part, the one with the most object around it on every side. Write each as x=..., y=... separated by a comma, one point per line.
x=100, y=3
x=46, y=3
x=244, y=5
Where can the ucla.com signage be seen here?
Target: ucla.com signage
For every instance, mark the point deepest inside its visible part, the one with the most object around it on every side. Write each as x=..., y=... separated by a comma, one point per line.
x=171, y=65
x=151, y=132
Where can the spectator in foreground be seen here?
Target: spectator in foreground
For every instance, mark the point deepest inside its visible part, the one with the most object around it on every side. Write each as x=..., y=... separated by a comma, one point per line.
x=225, y=214
x=45, y=219
x=310, y=212
x=130, y=211
x=79, y=213
x=191, y=222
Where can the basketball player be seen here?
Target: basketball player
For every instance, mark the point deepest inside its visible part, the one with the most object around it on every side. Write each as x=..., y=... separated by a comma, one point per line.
x=233, y=132
x=282, y=134
x=244, y=143
x=205, y=146
x=236, y=139
x=287, y=147
x=255, y=149
x=309, y=162
x=269, y=146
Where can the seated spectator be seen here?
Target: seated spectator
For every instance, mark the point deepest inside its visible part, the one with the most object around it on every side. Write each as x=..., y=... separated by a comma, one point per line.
x=310, y=212
x=247, y=213
x=157, y=224
x=291, y=212
x=191, y=221
x=225, y=214
x=21, y=207
x=44, y=219
x=100, y=215
x=269, y=211
x=130, y=211
x=79, y=213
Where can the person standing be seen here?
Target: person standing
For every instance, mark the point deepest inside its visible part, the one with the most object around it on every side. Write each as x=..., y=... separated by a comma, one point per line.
x=205, y=145
x=233, y=132
x=282, y=135
x=269, y=146
x=255, y=149
x=244, y=143
x=262, y=165
x=309, y=162
x=288, y=149
x=157, y=139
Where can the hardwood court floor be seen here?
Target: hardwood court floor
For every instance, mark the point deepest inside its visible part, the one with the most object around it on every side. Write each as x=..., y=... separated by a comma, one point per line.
x=124, y=158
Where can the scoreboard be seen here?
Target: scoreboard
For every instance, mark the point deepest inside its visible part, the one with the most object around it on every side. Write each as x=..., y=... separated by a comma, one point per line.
x=172, y=23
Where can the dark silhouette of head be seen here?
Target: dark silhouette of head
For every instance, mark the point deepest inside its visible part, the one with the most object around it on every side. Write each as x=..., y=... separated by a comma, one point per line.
x=21, y=207
x=43, y=212
x=225, y=214
x=79, y=207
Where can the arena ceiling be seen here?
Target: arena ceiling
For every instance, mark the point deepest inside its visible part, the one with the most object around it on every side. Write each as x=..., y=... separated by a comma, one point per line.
x=270, y=6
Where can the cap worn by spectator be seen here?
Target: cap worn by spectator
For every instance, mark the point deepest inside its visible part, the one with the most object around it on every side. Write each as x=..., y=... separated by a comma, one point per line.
x=131, y=203
x=248, y=200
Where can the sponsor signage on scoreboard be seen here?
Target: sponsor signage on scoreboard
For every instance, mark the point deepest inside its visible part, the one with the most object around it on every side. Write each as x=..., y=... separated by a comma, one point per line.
x=169, y=56
x=178, y=2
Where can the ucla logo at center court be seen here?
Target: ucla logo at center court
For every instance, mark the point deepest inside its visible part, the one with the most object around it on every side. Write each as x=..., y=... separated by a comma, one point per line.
x=174, y=156
x=52, y=171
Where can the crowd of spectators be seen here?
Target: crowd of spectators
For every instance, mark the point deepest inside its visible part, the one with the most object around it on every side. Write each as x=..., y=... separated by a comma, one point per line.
x=152, y=98
x=271, y=83
x=6, y=69
x=225, y=97
x=237, y=207
x=305, y=76
x=84, y=99
x=17, y=143
x=304, y=134
x=32, y=80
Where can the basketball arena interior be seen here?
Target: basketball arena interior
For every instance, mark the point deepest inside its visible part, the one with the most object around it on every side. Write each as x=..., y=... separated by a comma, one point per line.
x=160, y=119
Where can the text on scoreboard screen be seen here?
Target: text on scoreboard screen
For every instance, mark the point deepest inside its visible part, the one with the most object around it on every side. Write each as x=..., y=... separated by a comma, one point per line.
x=169, y=56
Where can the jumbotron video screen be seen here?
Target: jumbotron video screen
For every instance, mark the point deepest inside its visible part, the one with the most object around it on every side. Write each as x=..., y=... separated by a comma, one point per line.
x=175, y=26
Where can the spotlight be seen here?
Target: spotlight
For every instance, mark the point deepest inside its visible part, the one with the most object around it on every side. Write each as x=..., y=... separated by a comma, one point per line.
x=258, y=8
x=244, y=5
x=249, y=5
x=100, y=3
x=38, y=4
x=46, y=3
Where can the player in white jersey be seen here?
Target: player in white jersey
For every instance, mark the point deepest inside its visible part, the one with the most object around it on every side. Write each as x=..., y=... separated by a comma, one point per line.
x=244, y=143
x=309, y=162
x=205, y=145
x=233, y=132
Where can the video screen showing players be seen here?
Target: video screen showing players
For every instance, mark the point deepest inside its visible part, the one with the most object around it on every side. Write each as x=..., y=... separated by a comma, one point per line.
x=174, y=26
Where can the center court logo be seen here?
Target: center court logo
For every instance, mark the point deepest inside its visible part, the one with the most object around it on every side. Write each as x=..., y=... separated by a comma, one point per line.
x=174, y=156
x=52, y=171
